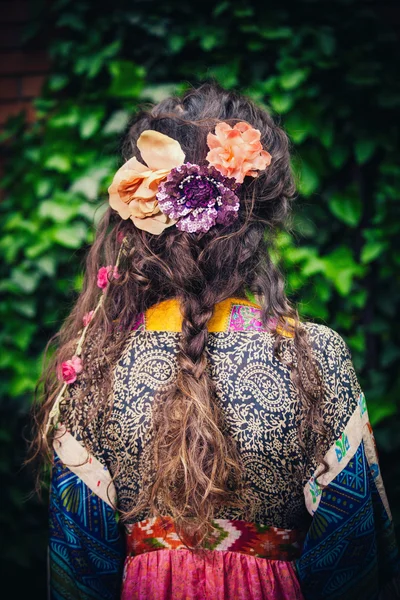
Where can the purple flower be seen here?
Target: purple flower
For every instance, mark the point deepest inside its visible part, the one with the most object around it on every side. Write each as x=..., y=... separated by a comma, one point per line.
x=198, y=197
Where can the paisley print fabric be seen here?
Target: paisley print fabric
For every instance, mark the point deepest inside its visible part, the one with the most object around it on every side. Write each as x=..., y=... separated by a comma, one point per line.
x=349, y=550
x=261, y=409
x=259, y=402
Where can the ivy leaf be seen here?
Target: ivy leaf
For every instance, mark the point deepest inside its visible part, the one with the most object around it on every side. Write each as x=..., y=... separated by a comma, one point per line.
x=297, y=127
x=71, y=236
x=220, y=8
x=126, y=79
x=346, y=207
x=43, y=187
x=327, y=134
x=377, y=411
x=359, y=298
x=364, y=149
x=341, y=269
x=372, y=250
x=176, y=43
x=327, y=42
x=89, y=184
x=25, y=281
x=116, y=123
x=156, y=93
x=210, y=40
x=276, y=33
x=57, y=82
x=226, y=74
x=58, y=162
x=338, y=155
x=307, y=177
x=47, y=264
x=91, y=64
x=25, y=307
x=293, y=79
x=91, y=122
x=38, y=248
x=57, y=211
x=23, y=335
x=282, y=103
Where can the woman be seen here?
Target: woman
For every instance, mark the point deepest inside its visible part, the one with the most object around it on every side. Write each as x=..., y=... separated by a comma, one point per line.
x=207, y=444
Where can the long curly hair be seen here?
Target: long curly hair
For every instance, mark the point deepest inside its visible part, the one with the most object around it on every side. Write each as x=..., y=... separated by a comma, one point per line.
x=195, y=464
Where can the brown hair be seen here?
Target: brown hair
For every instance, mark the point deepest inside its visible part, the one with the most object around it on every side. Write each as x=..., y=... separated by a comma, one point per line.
x=195, y=464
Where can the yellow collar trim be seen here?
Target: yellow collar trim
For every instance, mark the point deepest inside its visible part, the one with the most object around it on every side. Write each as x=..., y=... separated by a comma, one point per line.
x=167, y=316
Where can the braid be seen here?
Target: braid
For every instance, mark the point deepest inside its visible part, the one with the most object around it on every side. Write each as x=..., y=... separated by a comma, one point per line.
x=197, y=464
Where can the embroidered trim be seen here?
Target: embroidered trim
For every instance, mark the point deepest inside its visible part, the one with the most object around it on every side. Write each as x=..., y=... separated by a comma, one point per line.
x=232, y=314
x=262, y=541
x=166, y=316
x=85, y=466
x=372, y=458
x=358, y=429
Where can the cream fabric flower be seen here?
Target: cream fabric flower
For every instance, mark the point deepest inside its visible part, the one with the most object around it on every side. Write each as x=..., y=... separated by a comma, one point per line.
x=135, y=185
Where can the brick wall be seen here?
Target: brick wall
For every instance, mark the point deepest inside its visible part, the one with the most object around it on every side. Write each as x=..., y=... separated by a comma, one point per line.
x=23, y=65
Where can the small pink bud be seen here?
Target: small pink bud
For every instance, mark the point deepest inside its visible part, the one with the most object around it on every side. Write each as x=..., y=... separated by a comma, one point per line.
x=70, y=369
x=103, y=276
x=120, y=237
x=87, y=317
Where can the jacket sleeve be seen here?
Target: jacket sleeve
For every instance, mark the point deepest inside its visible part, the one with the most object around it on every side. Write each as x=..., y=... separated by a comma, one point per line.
x=86, y=550
x=350, y=550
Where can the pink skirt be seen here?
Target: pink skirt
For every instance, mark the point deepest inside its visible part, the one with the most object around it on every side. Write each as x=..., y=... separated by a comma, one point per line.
x=243, y=563
x=182, y=575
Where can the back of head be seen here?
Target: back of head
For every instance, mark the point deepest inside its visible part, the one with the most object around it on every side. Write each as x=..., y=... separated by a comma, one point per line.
x=189, y=120
x=195, y=466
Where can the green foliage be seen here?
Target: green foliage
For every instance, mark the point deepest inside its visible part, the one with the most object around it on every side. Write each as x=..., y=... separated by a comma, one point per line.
x=332, y=80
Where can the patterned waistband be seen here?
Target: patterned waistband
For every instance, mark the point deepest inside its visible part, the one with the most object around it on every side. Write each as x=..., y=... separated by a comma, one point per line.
x=230, y=535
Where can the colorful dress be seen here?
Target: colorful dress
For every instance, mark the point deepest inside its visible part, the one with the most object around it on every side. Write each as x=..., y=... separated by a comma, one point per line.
x=312, y=540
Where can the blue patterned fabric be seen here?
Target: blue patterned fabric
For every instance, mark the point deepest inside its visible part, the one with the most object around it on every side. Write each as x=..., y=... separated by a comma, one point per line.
x=350, y=551
x=85, y=549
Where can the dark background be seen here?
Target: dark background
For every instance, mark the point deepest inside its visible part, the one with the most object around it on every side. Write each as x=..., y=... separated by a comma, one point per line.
x=328, y=69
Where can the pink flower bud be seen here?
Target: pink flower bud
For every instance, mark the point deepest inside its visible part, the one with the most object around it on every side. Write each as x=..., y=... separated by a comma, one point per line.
x=70, y=369
x=87, y=317
x=120, y=237
x=103, y=276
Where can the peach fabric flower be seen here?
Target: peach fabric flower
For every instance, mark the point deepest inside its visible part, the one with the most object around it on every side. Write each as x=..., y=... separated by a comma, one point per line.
x=103, y=276
x=70, y=369
x=135, y=185
x=237, y=151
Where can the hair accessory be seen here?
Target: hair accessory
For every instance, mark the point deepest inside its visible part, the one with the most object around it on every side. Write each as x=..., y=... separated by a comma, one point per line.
x=133, y=190
x=167, y=191
x=71, y=368
x=87, y=317
x=103, y=276
x=237, y=151
x=198, y=198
